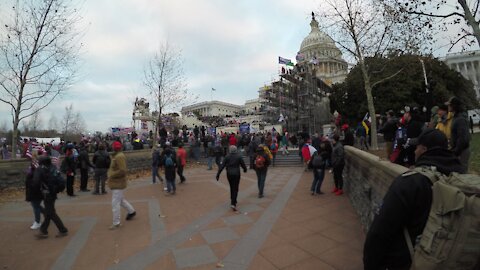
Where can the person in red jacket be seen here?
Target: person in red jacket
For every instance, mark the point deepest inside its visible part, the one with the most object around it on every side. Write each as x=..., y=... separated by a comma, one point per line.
x=182, y=161
x=306, y=154
x=232, y=140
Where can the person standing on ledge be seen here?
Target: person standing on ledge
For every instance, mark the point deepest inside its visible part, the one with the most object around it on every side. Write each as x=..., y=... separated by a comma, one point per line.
x=117, y=181
x=232, y=162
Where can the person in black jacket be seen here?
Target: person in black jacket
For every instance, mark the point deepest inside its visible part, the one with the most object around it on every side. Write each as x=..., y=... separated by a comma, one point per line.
x=460, y=137
x=232, y=162
x=41, y=183
x=388, y=130
x=407, y=205
x=317, y=164
x=84, y=163
x=32, y=195
x=261, y=169
x=101, y=160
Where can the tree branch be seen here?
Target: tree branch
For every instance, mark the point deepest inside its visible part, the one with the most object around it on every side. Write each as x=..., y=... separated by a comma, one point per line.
x=435, y=15
x=386, y=78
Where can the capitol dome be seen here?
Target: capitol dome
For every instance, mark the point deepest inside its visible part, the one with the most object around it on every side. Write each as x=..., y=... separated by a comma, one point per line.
x=316, y=37
x=319, y=54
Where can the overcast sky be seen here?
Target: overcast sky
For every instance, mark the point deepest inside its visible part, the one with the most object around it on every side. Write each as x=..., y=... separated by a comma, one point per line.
x=232, y=46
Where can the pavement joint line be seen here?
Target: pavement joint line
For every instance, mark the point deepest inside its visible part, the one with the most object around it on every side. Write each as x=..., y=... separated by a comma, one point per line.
x=247, y=247
x=149, y=255
x=157, y=226
x=74, y=246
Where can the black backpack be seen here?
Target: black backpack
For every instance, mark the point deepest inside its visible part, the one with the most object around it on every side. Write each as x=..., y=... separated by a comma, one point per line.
x=102, y=160
x=317, y=161
x=54, y=183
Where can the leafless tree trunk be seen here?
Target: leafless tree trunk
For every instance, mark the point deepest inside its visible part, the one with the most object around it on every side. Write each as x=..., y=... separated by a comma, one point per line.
x=38, y=51
x=53, y=123
x=35, y=122
x=365, y=28
x=165, y=79
x=72, y=123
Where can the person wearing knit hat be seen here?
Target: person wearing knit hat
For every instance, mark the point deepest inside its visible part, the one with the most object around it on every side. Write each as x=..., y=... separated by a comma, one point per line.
x=117, y=181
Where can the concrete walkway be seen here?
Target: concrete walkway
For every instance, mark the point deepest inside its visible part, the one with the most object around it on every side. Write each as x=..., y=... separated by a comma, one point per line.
x=195, y=229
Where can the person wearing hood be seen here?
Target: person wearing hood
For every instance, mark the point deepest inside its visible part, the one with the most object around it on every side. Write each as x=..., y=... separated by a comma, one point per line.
x=460, y=135
x=232, y=162
x=407, y=204
x=84, y=164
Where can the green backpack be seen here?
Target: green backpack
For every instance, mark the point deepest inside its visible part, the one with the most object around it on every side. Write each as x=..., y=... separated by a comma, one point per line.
x=451, y=238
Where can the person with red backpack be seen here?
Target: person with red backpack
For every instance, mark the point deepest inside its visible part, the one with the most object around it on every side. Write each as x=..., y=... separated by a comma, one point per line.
x=407, y=205
x=261, y=161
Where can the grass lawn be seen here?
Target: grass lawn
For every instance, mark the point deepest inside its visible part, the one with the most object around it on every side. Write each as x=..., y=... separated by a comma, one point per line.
x=474, y=166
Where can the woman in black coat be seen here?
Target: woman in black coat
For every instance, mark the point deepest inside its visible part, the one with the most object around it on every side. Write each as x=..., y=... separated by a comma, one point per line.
x=32, y=194
x=233, y=161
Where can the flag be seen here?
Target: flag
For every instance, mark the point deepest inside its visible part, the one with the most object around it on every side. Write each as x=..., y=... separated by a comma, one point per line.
x=290, y=64
x=284, y=61
x=281, y=118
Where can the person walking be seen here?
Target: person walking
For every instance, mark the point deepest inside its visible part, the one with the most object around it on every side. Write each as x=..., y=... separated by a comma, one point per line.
x=117, y=181
x=274, y=150
x=169, y=161
x=42, y=182
x=101, y=160
x=233, y=161
x=261, y=163
x=460, y=135
x=32, y=195
x=338, y=163
x=182, y=162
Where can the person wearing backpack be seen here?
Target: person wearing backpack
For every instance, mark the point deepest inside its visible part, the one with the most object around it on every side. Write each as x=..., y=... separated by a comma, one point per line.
x=274, y=149
x=117, y=181
x=169, y=162
x=261, y=162
x=101, y=160
x=48, y=181
x=407, y=204
x=317, y=164
x=233, y=161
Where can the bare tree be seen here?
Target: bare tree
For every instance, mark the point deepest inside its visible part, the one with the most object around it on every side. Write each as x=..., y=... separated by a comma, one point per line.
x=366, y=28
x=165, y=79
x=38, y=51
x=53, y=123
x=72, y=123
x=34, y=122
x=444, y=14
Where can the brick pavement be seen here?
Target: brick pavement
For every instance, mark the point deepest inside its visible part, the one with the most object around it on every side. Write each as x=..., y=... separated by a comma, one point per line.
x=195, y=229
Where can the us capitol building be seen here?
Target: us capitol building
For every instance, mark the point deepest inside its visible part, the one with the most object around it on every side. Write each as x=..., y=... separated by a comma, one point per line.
x=299, y=98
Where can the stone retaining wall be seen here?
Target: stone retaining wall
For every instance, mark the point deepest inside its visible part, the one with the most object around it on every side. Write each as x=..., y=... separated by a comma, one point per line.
x=12, y=172
x=366, y=180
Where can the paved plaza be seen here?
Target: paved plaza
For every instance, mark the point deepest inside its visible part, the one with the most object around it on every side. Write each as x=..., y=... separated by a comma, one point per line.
x=195, y=229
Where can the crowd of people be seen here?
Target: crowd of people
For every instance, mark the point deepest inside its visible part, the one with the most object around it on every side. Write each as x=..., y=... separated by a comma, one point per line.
x=442, y=143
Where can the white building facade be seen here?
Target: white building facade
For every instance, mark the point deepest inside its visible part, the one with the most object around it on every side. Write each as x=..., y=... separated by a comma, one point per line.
x=468, y=64
x=212, y=108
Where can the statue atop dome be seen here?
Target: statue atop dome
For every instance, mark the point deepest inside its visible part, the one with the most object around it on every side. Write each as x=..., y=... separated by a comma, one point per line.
x=313, y=16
